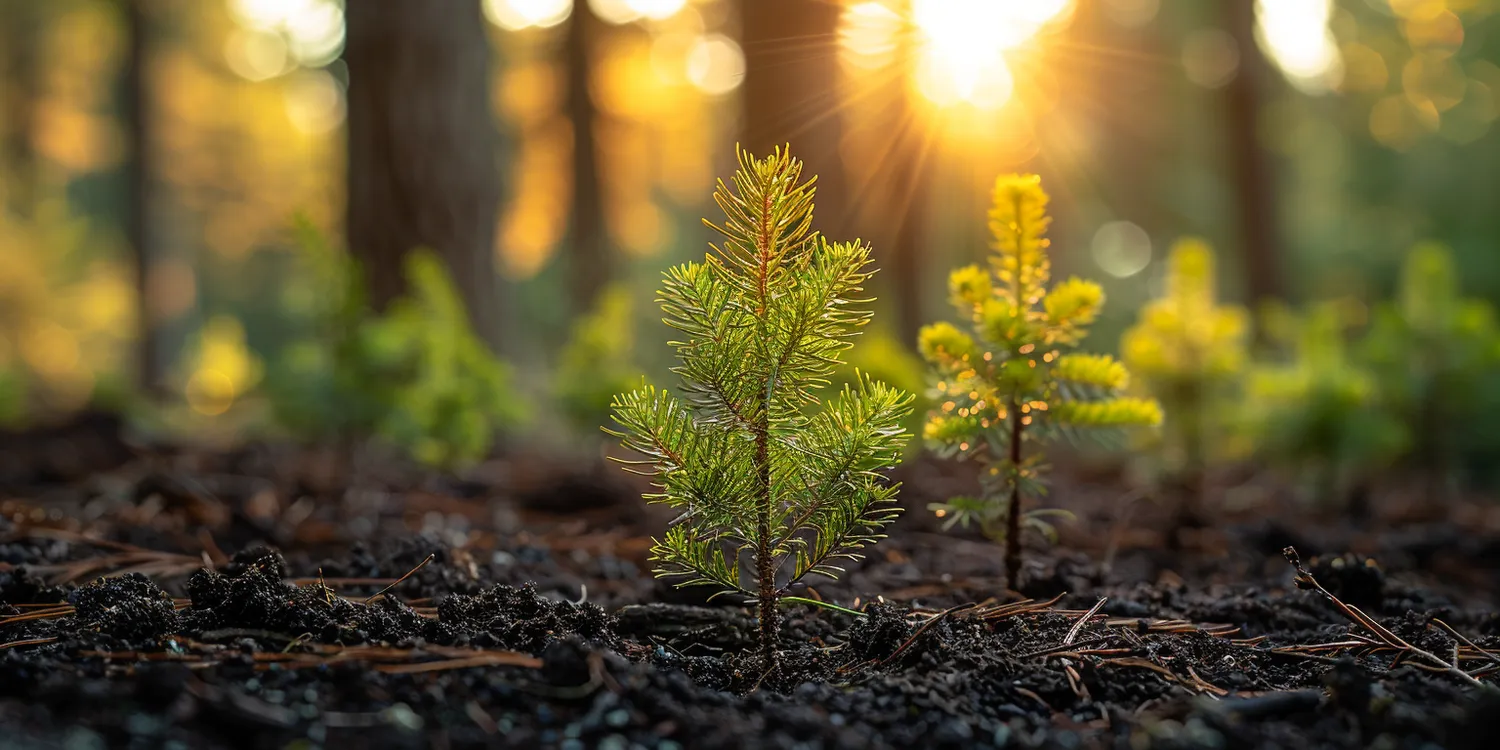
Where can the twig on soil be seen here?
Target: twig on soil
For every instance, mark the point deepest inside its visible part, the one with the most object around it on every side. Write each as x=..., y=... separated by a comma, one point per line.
x=30, y=642
x=1078, y=626
x=398, y=581
x=1306, y=581
x=1074, y=680
x=945, y=614
x=1025, y=606
x=1490, y=655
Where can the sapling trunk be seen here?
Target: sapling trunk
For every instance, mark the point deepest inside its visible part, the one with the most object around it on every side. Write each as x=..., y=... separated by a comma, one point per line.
x=1191, y=477
x=1013, y=517
x=764, y=564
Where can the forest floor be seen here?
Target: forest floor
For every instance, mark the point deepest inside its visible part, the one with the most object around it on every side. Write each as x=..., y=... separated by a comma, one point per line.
x=263, y=598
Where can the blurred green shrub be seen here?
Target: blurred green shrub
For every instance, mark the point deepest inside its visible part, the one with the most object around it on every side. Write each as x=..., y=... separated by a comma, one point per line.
x=1436, y=357
x=598, y=361
x=1190, y=353
x=415, y=375
x=1319, y=414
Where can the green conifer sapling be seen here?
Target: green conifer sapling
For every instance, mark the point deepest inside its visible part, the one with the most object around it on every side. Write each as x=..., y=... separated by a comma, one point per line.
x=745, y=454
x=1009, y=383
x=1435, y=355
x=1190, y=352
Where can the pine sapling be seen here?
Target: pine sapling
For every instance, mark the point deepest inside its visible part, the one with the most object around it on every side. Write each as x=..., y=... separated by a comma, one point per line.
x=1190, y=352
x=1009, y=383
x=1435, y=355
x=756, y=468
x=1321, y=414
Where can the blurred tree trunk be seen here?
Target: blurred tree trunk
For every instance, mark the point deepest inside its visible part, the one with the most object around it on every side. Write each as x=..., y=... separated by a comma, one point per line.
x=907, y=187
x=791, y=94
x=423, y=168
x=1250, y=167
x=590, y=258
x=21, y=32
x=136, y=113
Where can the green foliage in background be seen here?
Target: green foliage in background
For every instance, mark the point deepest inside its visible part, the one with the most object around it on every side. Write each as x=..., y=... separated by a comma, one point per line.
x=883, y=357
x=745, y=455
x=323, y=387
x=1190, y=353
x=415, y=375
x=67, y=315
x=447, y=395
x=1318, y=414
x=1008, y=383
x=598, y=361
x=1436, y=357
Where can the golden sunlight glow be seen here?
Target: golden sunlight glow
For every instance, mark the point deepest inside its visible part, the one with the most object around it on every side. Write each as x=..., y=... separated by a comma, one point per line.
x=867, y=35
x=962, y=58
x=514, y=15
x=656, y=9
x=1295, y=35
x=256, y=55
x=312, y=30
x=618, y=12
x=314, y=102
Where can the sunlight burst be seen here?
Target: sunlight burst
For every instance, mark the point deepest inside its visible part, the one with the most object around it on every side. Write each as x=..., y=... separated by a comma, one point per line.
x=964, y=41
x=1295, y=34
x=514, y=15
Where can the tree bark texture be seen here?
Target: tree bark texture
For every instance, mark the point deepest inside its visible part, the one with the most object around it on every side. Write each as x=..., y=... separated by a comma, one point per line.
x=422, y=142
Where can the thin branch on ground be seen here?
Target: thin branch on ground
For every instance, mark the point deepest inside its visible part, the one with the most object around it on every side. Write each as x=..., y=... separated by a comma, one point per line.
x=1305, y=581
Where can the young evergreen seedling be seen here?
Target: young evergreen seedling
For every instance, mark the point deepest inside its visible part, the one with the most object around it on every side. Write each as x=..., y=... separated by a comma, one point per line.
x=754, y=466
x=1436, y=357
x=1010, y=384
x=1320, y=414
x=415, y=375
x=1190, y=352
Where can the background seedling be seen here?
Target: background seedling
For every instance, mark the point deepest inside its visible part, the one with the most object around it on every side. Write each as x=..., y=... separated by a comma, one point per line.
x=1436, y=359
x=1189, y=352
x=1009, y=383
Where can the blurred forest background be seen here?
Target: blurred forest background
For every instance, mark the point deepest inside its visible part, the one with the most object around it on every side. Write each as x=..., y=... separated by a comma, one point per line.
x=174, y=171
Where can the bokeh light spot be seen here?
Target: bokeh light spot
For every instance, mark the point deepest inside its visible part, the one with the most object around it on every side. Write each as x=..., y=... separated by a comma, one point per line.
x=514, y=15
x=715, y=64
x=1210, y=57
x=1121, y=249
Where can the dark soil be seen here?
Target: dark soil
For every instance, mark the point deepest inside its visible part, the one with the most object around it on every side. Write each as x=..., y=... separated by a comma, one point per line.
x=531, y=621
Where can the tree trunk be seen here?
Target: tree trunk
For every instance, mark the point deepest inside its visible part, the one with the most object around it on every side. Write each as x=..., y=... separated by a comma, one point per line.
x=136, y=112
x=422, y=153
x=20, y=38
x=791, y=94
x=1250, y=166
x=590, y=256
